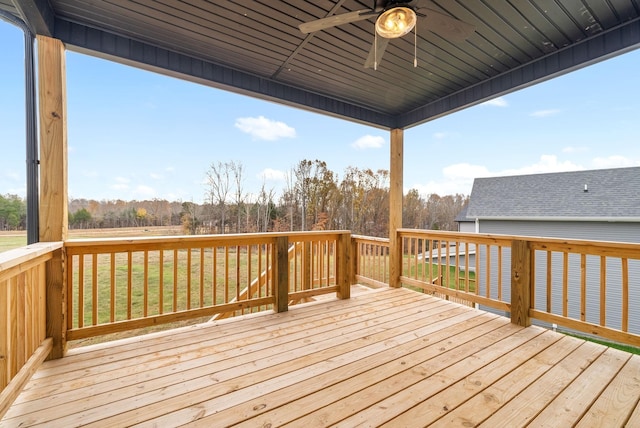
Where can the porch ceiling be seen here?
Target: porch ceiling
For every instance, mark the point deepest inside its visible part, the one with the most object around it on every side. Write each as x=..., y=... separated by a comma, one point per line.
x=256, y=48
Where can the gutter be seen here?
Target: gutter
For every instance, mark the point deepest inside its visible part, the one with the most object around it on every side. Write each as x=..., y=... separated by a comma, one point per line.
x=567, y=219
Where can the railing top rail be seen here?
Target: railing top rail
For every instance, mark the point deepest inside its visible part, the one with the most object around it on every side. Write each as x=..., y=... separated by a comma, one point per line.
x=187, y=241
x=11, y=258
x=483, y=238
x=537, y=241
x=370, y=238
x=619, y=249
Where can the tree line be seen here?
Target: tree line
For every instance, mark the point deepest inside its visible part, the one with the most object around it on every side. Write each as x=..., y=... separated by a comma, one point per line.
x=13, y=212
x=314, y=198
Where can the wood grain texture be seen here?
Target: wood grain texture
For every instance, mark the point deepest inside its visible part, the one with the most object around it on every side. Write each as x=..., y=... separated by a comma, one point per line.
x=396, y=192
x=387, y=356
x=53, y=209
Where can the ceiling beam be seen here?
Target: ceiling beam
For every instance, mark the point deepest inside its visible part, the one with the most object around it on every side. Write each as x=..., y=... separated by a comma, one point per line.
x=38, y=16
x=604, y=45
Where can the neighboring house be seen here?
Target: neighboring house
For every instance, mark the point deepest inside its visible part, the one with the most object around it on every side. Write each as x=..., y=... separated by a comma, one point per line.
x=465, y=224
x=447, y=256
x=599, y=204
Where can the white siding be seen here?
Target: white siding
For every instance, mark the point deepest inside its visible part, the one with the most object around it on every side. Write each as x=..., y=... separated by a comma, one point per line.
x=603, y=231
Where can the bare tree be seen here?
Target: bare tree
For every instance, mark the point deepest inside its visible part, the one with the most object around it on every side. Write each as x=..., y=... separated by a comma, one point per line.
x=413, y=210
x=302, y=174
x=239, y=196
x=219, y=184
x=264, y=208
x=288, y=201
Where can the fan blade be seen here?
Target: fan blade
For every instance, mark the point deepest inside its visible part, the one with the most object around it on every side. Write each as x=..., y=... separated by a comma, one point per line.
x=376, y=52
x=446, y=26
x=332, y=21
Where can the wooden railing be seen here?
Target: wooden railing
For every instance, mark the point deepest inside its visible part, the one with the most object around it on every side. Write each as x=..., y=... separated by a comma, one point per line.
x=122, y=284
x=23, y=317
x=588, y=286
x=583, y=286
x=371, y=260
x=465, y=268
x=119, y=284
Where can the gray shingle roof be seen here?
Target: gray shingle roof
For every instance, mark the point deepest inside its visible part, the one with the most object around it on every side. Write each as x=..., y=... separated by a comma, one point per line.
x=610, y=194
x=462, y=215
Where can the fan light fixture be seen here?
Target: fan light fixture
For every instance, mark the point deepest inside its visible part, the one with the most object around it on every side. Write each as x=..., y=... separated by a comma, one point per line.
x=395, y=22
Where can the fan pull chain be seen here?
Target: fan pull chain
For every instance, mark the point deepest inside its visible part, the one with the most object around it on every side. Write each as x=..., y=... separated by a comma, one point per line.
x=415, y=46
x=375, y=51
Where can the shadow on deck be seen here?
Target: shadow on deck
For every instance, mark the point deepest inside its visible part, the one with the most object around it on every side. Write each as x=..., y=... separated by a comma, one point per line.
x=389, y=356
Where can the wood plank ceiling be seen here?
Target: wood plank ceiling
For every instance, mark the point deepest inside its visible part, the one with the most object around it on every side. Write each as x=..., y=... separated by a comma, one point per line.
x=256, y=48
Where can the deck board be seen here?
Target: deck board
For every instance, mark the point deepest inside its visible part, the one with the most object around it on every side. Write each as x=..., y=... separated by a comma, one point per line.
x=389, y=357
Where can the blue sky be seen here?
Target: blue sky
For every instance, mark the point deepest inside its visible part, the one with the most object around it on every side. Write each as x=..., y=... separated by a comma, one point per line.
x=139, y=135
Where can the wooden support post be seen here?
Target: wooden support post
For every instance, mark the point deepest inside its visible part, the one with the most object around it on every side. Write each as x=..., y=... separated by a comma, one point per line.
x=343, y=266
x=281, y=276
x=53, y=180
x=395, y=206
x=520, y=282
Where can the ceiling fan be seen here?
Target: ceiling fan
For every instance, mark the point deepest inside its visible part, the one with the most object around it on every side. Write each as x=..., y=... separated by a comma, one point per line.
x=395, y=19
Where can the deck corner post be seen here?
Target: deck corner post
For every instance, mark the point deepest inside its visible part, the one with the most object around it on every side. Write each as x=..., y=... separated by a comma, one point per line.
x=53, y=210
x=56, y=305
x=343, y=266
x=281, y=260
x=520, y=282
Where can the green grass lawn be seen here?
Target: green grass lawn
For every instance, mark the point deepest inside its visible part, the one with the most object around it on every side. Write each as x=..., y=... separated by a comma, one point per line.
x=620, y=346
x=9, y=242
x=184, y=294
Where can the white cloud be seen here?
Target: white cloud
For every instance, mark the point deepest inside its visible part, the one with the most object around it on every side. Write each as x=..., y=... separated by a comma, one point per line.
x=145, y=191
x=119, y=186
x=269, y=174
x=614, y=161
x=458, y=178
x=545, y=113
x=464, y=171
x=122, y=183
x=261, y=128
x=547, y=163
x=368, y=142
x=156, y=176
x=572, y=149
x=440, y=135
x=496, y=102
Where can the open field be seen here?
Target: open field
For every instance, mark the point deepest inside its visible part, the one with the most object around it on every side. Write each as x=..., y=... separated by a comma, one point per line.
x=11, y=240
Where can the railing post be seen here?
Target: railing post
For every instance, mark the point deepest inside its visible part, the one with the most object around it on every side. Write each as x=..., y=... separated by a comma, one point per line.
x=307, y=281
x=355, y=258
x=520, y=282
x=281, y=260
x=343, y=265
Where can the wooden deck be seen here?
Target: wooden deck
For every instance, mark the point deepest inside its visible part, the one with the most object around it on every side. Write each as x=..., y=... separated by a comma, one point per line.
x=389, y=357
